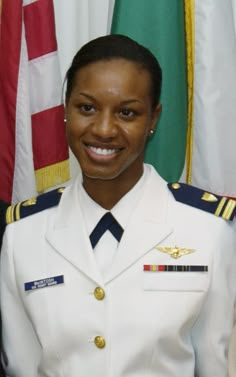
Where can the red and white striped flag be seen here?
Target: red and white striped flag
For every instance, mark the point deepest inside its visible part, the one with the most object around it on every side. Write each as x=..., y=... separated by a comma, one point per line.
x=33, y=148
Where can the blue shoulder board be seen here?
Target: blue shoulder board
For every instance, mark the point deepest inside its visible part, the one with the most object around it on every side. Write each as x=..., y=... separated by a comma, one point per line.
x=218, y=205
x=26, y=208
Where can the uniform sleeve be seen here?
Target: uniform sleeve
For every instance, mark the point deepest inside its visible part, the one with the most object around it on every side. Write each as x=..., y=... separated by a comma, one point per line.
x=232, y=352
x=232, y=345
x=21, y=349
x=214, y=327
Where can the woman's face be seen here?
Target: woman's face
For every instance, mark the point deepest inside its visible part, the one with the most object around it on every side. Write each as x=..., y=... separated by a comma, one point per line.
x=109, y=118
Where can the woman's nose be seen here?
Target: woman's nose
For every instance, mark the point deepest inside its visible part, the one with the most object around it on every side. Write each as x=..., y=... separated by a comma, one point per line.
x=105, y=125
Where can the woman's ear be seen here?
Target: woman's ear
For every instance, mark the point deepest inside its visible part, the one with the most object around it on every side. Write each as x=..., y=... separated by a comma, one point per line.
x=155, y=116
x=65, y=113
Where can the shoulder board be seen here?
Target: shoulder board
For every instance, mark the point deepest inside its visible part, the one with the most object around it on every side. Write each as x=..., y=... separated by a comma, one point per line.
x=28, y=207
x=220, y=206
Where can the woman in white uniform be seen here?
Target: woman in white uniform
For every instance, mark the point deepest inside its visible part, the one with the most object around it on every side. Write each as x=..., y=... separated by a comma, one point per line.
x=149, y=291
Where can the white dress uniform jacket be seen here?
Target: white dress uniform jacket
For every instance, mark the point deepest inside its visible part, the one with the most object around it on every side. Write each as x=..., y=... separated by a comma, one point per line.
x=149, y=323
x=232, y=353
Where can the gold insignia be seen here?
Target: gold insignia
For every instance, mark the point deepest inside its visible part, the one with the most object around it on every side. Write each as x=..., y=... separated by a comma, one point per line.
x=229, y=209
x=175, y=251
x=17, y=211
x=29, y=202
x=175, y=186
x=9, y=214
x=207, y=197
x=220, y=206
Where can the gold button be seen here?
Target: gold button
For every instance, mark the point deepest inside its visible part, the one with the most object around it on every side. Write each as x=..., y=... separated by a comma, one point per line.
x=175, y=186
x=99, y=293
x=99, y=342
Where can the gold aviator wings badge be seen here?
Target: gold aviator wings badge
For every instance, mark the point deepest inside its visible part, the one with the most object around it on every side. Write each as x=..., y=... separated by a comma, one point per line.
x=175, y=251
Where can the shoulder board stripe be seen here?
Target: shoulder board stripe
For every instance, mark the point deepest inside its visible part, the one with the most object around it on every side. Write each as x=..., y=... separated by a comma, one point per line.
x=220, y=206
x=9, y=214
x=229, y=209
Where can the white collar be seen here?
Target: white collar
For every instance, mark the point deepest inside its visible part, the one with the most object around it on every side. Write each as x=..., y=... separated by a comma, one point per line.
x=92, y=211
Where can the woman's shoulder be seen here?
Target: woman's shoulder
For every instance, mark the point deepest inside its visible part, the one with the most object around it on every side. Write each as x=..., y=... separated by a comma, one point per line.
x=18, y=211
x=220, y=206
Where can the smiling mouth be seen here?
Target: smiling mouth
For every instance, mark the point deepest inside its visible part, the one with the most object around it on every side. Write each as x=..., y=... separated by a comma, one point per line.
x=104, y=151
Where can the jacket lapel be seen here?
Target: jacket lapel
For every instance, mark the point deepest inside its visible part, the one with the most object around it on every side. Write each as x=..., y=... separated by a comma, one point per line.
x=147, y=228
x=66, y=233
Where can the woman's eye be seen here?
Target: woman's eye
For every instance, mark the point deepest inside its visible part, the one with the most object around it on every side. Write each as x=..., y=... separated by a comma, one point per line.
x=86, y=108
x=127, y=113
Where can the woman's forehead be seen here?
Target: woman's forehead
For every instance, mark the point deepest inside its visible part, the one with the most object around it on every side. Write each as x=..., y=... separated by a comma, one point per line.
x=114, y=63
x=118, y=76
x=115, y=71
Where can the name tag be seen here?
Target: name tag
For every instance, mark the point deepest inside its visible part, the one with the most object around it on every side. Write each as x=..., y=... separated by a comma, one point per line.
x=42, y=283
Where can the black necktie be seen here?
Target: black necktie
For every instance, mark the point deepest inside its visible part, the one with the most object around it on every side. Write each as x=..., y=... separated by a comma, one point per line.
x=107, y=222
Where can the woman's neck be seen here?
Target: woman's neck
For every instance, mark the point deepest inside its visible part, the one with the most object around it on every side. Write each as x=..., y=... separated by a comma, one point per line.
x=107, y=193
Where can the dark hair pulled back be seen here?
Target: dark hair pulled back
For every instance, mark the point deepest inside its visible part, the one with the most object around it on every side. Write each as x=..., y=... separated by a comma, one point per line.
x=116, y=46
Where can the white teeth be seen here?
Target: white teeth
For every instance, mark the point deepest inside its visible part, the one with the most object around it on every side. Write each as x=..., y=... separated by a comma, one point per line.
x=103, y=152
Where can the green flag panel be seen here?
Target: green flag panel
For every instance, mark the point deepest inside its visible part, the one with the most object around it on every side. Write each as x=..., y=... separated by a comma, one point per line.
x=159, y=25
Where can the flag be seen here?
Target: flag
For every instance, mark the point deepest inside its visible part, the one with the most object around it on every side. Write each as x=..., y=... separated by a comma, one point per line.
x=212, y=156
x=160, y=26
x=33, y=147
